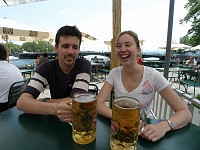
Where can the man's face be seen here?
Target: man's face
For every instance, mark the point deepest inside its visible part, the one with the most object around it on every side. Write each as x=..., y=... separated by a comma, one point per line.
x=68, y=50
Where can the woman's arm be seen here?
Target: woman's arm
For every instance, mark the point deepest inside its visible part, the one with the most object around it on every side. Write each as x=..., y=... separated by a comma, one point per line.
x=103, y=95
x=182, y=115
x=180, y=118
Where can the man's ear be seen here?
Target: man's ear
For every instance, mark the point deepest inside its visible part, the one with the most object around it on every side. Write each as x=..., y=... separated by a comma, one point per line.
x=56, y=48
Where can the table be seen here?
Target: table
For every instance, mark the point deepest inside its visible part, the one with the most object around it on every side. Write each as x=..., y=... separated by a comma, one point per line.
x=179, y=70
x=21, y=131
x=96, y=66
x=26, y=71
x=154, y=63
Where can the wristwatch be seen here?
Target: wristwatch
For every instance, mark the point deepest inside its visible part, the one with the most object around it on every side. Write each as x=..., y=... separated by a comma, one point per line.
x=170, y=124
x=45, y=99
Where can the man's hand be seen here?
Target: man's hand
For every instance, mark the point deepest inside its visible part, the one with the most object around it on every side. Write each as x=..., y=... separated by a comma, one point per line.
x=64, y=110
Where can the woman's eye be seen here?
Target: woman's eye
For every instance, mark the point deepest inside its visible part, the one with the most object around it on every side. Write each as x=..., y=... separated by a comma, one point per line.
x=118, y=46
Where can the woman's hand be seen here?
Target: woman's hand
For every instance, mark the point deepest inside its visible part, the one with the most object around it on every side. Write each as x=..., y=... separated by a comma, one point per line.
x=154, y=132
x=64, y=110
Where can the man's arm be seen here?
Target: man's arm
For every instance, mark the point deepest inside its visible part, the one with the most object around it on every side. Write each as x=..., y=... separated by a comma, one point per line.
x=60, y=108
x=27, y=103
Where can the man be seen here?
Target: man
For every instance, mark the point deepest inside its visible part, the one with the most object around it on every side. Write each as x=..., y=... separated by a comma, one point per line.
x=65, y=76
x=8, y=75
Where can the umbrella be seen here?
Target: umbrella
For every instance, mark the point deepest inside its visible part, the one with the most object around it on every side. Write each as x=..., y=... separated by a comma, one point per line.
x=4, y=3
x=176, y=46
x=85, y=35
x=13, y=30
x=196, y=48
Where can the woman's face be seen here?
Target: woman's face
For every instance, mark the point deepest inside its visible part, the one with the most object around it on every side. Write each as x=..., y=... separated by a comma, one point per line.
x=126, y=49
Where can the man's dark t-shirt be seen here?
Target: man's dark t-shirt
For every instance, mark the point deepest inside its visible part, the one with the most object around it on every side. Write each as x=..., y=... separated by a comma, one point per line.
x=61, y=85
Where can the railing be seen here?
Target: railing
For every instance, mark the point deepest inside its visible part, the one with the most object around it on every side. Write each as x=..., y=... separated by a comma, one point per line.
x=163, y=111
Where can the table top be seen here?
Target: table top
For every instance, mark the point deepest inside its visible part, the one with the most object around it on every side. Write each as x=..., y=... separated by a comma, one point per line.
x=97, y=64
x=20, y=131
x=26, y=70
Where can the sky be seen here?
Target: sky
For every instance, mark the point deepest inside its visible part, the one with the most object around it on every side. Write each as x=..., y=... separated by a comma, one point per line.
x=148, y=18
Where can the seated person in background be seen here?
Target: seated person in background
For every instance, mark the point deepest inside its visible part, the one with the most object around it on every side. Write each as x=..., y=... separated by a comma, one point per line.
x=65, y=76
x=36, y=64
x=141, y=83
x=191, y=62
x=43, y=58
x=198, y=60
x=176, y=60
x=8, y=75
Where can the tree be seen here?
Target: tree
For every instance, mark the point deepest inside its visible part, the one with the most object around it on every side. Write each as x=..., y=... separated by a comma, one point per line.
x=37, y=46
x=13, y=48
x=185, y=40
x=193, y=16
x=29, y=47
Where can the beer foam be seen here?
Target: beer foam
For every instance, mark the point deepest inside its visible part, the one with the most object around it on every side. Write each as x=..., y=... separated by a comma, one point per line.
x=84, y=98
x=126, y=103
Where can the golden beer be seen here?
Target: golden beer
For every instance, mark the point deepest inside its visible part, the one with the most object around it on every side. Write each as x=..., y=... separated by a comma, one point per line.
x=84, y=118
x=124, y=124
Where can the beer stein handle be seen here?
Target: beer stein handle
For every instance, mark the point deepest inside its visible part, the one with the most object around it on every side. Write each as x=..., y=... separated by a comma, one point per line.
x=143, y=118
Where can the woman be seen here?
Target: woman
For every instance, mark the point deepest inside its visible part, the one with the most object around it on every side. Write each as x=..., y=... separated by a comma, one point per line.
x=141, y=82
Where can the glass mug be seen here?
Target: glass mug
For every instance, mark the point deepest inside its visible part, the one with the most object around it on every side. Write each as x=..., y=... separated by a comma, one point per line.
x=125, y=121
x=84, y=118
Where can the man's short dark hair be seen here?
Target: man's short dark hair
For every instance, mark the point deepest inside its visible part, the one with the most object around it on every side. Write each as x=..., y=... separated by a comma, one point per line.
x=68, y=31
x=3, y=52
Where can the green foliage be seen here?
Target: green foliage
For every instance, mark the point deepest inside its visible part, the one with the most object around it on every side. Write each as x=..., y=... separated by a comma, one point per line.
x=35, y=46
x=193, y=16
x=13, y=48
x=185, y=40
x=198, y=96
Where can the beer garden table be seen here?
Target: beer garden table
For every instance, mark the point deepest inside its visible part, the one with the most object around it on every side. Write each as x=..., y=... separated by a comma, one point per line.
x=21, y=131
x=181, y=71
x=26, y=71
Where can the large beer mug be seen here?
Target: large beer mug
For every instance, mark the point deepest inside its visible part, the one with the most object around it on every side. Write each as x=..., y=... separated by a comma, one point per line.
x=84, y=118
x=125, y=122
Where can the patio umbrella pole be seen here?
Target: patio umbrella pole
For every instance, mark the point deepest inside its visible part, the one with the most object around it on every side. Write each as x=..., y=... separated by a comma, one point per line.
x=169, y=38
x=6, y=38
x=116, y=30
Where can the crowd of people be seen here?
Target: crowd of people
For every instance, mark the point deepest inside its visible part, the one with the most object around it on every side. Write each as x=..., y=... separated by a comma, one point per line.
x=69, y=74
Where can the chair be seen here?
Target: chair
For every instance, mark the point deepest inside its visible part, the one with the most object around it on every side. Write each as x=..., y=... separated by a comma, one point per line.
x=15, y=91
x=93, y=88
x=104, y=70
x=112, y=96
x=188, y=82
